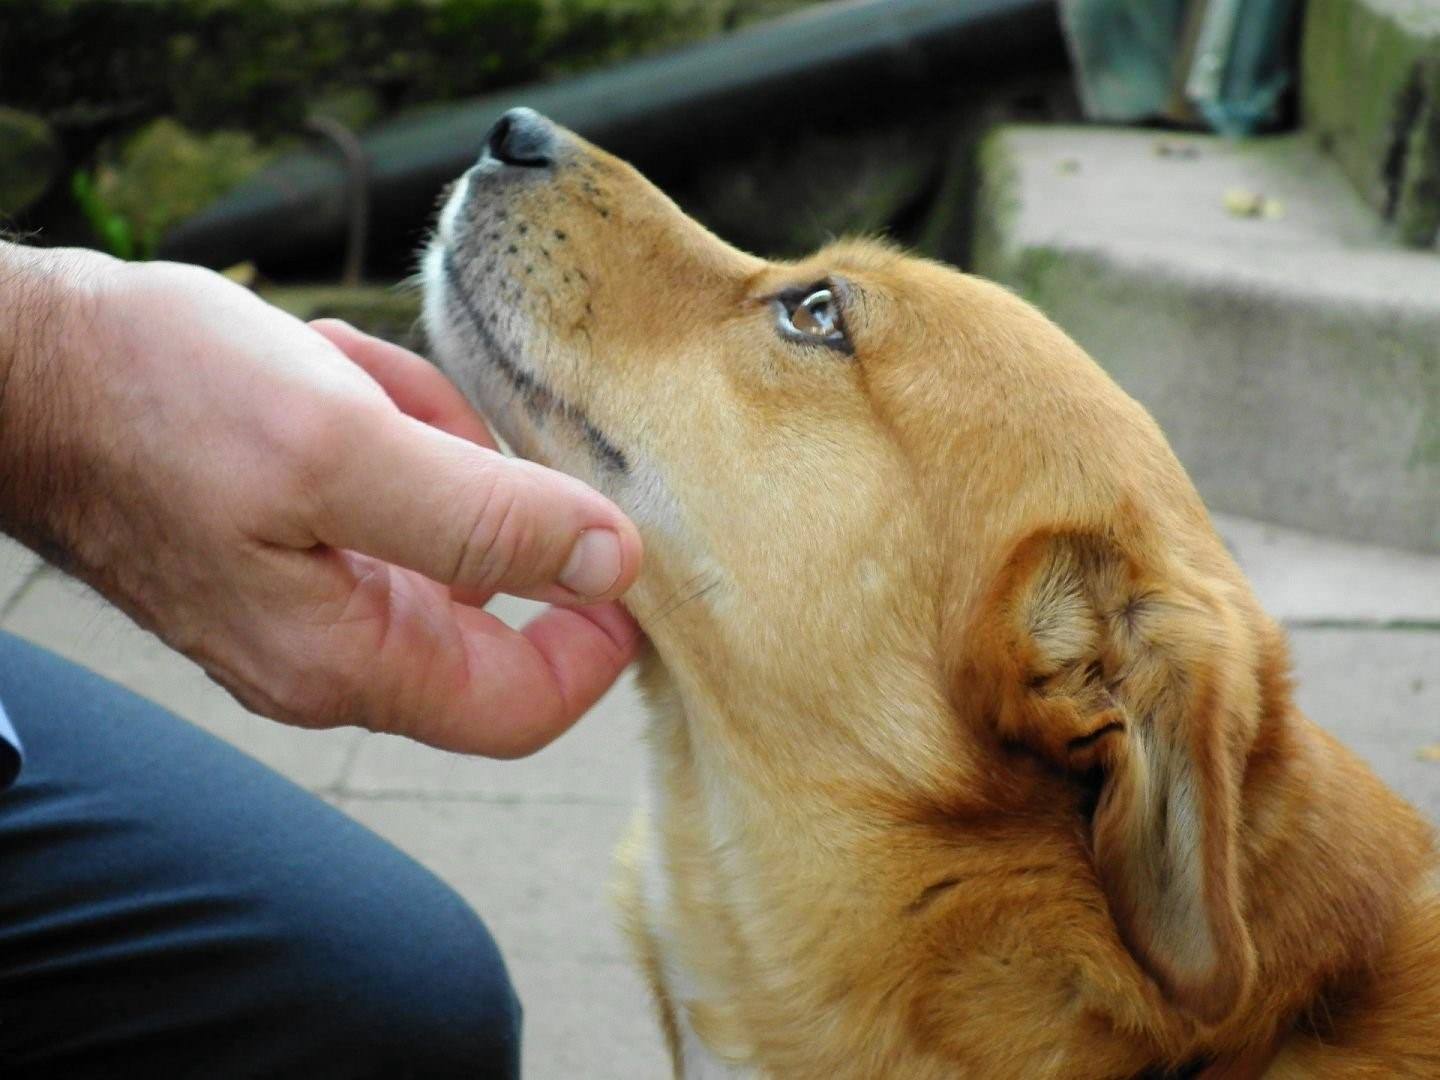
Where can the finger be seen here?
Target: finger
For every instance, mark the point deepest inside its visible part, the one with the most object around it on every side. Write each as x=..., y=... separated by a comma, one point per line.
x=463, y=515
x=548, y=675
x=416, y=386
x=388, y=651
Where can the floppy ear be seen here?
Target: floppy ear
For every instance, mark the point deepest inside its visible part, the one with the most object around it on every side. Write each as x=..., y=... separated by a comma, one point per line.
x=1134, y=681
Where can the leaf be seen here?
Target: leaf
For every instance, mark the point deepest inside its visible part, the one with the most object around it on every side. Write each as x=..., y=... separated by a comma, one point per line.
x=110, y=228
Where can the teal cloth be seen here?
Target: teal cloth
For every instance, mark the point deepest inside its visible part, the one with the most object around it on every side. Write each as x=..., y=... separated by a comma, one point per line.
x=1129, y=67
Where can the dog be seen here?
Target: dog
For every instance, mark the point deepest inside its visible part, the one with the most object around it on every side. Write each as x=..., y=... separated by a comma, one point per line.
x=973, y=753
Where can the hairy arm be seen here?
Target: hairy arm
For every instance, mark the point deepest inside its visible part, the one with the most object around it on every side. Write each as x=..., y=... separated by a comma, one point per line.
x=42, y=296
x=311, y=514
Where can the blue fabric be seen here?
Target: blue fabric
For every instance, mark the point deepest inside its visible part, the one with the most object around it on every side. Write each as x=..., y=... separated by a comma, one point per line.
x=11, y=753
x=170, y=907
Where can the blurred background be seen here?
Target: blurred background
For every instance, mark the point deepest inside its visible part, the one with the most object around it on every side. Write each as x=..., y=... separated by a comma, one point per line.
x=1233, y=204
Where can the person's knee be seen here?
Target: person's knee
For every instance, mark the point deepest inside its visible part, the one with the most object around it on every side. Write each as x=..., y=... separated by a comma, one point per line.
x=405, y=975
x=430, y=990
x=464, y=1007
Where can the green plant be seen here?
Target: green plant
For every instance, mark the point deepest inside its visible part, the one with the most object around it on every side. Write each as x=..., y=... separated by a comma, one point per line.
x=111, y=227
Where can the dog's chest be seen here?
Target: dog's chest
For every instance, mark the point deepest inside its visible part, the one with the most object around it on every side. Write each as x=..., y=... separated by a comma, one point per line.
x=685, y=989
x=697, y=881
x=729, y=921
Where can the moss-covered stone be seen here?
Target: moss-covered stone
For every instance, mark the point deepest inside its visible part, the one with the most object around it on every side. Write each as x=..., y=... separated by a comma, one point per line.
x=1293, y=362
x=261, y=65
x=997, y=201
x=1370, y=89
x=29, y=159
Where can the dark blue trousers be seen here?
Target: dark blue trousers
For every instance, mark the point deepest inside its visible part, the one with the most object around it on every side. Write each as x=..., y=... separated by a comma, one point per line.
x=171, y=908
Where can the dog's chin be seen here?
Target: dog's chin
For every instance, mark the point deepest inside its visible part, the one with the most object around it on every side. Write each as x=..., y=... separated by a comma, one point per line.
x=468, y=360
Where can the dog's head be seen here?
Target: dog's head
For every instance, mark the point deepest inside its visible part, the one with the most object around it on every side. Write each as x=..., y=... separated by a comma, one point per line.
x=896, y=524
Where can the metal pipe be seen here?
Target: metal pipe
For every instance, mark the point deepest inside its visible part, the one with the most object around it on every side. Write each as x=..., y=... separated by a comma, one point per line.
x=357, y=193
x=851, y=62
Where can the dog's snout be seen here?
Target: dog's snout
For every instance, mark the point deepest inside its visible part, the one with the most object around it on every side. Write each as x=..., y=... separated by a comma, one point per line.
x=522, y=137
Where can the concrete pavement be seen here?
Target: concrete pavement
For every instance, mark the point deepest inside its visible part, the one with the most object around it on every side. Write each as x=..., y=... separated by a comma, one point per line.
x=529, y=842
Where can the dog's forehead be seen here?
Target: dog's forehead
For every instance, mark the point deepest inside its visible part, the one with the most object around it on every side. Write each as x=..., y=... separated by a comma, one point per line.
x=875, y=261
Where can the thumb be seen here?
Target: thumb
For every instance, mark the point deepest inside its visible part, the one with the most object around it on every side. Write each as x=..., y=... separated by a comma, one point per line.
x=467, y=516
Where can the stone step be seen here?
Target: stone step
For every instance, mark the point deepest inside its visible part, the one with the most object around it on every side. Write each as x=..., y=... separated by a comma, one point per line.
x=1244, y=293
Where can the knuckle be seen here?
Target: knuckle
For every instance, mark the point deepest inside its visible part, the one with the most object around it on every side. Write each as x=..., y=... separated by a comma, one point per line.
x=495, y=541
x=319, y=699
x=315, y=441
x=292, y=694
x=316, y=450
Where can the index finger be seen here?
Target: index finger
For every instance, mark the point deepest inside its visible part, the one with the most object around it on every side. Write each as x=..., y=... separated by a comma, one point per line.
x=396, y=655
x=417, y=387
x=530, y=686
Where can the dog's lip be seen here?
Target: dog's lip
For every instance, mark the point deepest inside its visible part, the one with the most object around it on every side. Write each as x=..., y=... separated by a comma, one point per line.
x=455, y=290
x=530, y=385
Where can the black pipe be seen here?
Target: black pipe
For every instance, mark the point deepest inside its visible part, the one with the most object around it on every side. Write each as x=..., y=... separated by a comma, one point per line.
x=831, y=66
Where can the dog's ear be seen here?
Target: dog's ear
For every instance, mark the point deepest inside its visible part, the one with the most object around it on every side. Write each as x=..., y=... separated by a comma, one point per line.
x=1132, y=681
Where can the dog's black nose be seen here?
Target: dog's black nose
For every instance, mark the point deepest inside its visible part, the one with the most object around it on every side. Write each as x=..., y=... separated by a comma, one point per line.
x=522, y=137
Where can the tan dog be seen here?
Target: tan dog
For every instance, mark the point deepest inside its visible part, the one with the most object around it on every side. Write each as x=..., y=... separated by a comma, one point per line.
x=973, y=754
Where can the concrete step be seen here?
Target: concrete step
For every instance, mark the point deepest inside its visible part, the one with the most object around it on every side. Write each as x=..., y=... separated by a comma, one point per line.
x=1249, y=298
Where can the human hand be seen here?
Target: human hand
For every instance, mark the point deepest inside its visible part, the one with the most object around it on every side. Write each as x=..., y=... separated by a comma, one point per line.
x=313, y=515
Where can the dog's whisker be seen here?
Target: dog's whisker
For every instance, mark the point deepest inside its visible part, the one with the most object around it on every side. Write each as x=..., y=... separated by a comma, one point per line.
x=663, y=609
x=696, y=595
x=666, y=612
x=676, y=599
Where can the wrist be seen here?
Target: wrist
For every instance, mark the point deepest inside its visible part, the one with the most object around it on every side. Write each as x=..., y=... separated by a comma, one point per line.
x=47, y=297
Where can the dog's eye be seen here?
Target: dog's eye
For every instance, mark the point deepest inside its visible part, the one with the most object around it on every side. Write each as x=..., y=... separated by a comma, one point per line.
x=815, y=315
x=812, y=315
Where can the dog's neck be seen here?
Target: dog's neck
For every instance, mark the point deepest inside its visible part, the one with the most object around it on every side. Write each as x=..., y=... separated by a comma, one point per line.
x=837, y=735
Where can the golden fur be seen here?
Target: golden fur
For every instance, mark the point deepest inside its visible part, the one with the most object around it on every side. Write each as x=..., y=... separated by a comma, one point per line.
x=974, y=754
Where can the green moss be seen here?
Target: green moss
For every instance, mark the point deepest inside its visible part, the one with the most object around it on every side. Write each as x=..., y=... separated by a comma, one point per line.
x=1416, y=195
x=1033, y=274
x=1426, y=452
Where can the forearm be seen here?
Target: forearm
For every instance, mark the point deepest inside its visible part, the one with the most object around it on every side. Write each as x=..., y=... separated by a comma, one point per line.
x=45, y=297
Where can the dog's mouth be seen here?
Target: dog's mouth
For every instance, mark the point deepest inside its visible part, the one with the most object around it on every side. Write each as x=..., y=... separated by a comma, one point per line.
x=478, y=275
